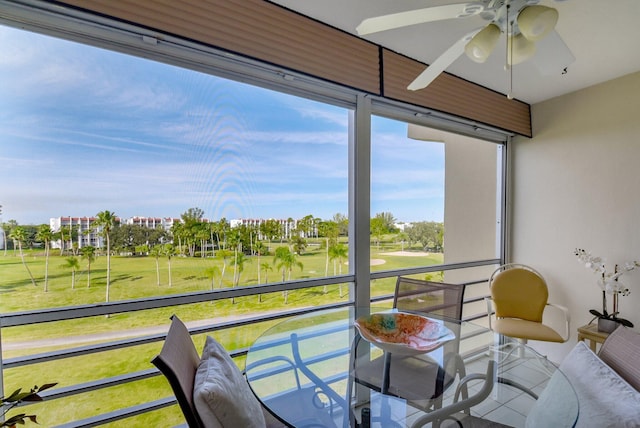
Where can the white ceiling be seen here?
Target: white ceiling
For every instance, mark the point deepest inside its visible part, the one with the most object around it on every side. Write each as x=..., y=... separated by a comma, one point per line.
x=603, y=35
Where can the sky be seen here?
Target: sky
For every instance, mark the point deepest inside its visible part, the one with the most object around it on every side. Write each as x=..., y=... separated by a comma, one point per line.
x=83, y=130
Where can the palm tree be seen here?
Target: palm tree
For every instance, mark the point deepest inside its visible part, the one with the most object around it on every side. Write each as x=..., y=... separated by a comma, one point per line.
x=266, y=267
x=88, y=254
x=286, y=260
x=73, y=264
x=223, y=229
x=177, y=230
x=60, y=236
x=156, y=252
x=259, y=249
x=19, y=235
x=212, y=272
x=202, y=233
x=403, y=237
x=169, y=250
x=330, y=231
x=271, y=230
x=306, y=225
x=8, y=227
x=106, y=220
x=224, y=256
x=45, y=234
x=378, y=229
x=239, y=260
x=338, y=252
x=63, y=233
x=298, y=243
x=287, y=232
x=235, y=243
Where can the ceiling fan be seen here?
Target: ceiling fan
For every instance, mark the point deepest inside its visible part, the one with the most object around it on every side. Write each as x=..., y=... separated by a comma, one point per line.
x=524, y=22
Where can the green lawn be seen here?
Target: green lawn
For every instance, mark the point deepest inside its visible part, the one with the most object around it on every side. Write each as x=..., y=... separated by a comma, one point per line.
x=135, y=277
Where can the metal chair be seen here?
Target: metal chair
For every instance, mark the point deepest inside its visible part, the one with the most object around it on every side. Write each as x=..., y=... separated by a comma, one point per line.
x=307, y=406
x=428, y=297
x=436, y=300
x=178, y=361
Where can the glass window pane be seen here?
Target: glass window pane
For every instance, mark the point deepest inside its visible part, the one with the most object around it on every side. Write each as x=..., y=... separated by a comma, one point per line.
x=433, y=197
x=206, y=177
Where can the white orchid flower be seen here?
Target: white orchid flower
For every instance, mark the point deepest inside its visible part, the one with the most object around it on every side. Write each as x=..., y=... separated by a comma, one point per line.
x=609, y=280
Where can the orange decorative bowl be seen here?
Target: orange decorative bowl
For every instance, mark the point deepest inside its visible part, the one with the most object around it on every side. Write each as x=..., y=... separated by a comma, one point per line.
x=403, y=333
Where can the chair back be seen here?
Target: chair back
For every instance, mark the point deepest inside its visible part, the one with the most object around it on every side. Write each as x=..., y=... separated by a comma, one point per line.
x=518, y=291
x=429, y=297
x=178, y=361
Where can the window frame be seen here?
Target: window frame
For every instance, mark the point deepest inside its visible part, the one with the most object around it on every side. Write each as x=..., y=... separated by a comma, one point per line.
x=103, y=32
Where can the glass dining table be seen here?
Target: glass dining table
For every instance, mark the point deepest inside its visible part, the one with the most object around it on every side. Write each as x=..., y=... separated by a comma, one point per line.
x=326, y=369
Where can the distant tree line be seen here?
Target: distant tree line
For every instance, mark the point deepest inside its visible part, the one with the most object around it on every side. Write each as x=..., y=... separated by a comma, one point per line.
x=194, y=235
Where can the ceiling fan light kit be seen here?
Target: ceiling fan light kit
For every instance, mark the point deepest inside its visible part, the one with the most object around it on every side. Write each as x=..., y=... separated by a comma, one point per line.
x=523, y=22
x=536, y=22
x=482, y=44
x=520, y=49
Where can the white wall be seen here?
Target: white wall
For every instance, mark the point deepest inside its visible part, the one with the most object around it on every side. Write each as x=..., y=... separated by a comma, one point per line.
x=577, y=184
x=470, y=194
x=471, y=183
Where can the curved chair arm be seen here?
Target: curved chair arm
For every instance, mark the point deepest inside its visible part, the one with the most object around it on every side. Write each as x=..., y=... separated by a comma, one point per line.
x=487, y=299
x=273, y=359
x=499, y=379
x=464, y=404
x=567, y=318
x=326, y=389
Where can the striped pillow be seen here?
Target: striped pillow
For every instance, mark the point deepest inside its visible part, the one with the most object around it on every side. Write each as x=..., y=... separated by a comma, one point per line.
x=621, y=352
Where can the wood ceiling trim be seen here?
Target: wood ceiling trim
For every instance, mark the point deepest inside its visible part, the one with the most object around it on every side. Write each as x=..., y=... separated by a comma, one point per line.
x=259, y=30
x=267, y=32
x=453, y=95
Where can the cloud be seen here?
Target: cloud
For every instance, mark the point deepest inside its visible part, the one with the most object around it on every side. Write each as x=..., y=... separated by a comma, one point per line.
x=298, y=137
x=91, y=76
x=86, y=130
x=338, y=117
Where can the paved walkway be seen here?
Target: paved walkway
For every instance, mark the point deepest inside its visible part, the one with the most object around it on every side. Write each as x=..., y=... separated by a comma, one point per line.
x=115, y=335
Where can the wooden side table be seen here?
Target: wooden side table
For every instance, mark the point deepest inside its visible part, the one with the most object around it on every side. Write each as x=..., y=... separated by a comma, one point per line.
x=590, y=332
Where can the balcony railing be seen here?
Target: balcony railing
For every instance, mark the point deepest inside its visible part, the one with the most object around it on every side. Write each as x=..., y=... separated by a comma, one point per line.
x=53, y=315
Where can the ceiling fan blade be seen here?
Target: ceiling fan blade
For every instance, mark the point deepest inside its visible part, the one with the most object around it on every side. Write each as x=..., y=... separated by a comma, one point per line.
x=419, y=16
x=553, y=55
x=441, y=63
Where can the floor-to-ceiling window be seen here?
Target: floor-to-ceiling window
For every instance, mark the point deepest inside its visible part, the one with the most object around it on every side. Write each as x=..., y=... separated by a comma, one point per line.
x=213, y=185
x=435, y=200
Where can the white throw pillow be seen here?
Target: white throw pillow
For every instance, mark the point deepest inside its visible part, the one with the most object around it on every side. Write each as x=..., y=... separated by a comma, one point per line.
x=606, y=400
x=221, y=394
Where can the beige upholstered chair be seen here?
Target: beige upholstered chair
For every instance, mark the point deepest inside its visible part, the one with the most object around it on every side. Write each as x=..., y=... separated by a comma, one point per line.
x=519, y=297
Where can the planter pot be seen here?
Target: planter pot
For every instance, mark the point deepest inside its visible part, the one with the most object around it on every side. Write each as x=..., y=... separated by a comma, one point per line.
x=606, y=325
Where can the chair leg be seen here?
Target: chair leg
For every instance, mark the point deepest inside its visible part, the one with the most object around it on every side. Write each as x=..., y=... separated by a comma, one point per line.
x=516, y=345
x=506, y=342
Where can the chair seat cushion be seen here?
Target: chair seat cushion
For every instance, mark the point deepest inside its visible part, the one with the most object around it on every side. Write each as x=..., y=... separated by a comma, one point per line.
x=522, y=329
x=221, y=394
